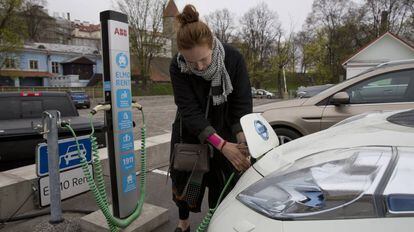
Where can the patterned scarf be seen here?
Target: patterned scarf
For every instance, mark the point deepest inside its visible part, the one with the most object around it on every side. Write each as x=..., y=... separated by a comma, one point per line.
x=216, y=73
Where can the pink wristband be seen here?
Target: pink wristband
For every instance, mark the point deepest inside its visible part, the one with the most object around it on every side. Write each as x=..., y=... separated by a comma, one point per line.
x=214, y=140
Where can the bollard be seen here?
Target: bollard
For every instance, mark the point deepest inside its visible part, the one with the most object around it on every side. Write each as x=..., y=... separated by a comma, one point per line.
x=53, y=117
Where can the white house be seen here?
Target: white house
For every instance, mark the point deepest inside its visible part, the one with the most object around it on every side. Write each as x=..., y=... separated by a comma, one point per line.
x=387, y=47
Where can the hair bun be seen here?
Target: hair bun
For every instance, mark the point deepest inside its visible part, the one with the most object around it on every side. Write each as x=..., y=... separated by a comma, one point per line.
x=189, y=15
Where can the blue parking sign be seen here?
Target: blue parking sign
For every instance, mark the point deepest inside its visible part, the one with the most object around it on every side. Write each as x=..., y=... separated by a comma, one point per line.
x=68, y=154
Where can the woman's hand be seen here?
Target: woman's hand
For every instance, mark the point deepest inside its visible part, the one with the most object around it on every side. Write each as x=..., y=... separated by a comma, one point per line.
x=235, y=156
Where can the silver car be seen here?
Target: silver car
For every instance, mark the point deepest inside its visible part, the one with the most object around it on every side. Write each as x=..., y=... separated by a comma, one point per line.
x=389, y=86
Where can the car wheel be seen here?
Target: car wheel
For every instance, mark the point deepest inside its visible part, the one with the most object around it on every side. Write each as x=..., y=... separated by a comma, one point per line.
x=286, y=135
x=268, y=96
x=88, y=106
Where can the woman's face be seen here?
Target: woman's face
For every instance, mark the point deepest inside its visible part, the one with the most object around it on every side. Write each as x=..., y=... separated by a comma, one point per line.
x=199, y=57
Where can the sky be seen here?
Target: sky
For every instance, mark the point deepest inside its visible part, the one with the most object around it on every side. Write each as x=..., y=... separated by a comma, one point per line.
x=291, y=13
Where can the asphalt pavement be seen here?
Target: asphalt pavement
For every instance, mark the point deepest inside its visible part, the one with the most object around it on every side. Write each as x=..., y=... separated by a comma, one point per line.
x=159, y=114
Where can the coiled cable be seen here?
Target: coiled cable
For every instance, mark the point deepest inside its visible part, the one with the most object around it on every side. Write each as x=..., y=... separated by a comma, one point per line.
x=98, y=187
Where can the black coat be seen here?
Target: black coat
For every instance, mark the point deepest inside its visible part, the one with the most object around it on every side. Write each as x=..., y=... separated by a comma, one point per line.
x=191, y=95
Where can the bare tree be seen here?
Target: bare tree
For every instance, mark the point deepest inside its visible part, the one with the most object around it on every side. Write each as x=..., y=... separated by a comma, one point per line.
x=145, y=23
x=222, y=24
x=37, y=20
x=389, y=15
x=259, y=29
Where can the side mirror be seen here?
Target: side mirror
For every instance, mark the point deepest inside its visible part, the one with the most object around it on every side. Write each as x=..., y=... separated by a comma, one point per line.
x=340, y=98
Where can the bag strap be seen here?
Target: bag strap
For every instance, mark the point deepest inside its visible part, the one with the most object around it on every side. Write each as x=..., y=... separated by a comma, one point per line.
x=205, y=116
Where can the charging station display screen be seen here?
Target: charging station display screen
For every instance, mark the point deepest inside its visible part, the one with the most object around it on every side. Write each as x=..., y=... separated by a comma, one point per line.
x=117, y=90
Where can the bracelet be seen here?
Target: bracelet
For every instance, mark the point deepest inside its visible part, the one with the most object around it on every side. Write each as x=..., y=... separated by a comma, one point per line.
x=224, y=143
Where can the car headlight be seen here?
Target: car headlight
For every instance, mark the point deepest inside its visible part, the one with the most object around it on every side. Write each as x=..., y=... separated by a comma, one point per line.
x=327, y=185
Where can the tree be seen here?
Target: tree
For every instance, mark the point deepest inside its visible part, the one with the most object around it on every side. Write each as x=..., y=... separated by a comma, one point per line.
x=389, y=15
x=37, y=21
x=145, y=23
x=222, y=24
x=259, y=29
x=11, y=27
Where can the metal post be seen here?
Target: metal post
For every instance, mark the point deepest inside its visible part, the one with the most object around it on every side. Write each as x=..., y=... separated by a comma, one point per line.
x=53, y=116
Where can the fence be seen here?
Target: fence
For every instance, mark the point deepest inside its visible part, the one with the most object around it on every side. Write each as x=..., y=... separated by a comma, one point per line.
x=93, y=92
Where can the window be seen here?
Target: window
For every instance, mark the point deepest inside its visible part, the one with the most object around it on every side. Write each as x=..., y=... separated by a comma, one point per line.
x=33, y=64
x=10, y=63
x=395, y=86
x=55, y=67
x=31, y=108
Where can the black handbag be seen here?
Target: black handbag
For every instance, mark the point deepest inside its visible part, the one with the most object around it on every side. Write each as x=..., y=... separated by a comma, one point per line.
x=192, y=157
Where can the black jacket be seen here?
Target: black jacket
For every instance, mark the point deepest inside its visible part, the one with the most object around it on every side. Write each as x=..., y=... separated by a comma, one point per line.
x=191, y=94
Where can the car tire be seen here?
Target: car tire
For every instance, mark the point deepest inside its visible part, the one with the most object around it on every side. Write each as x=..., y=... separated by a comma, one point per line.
x=88, y=106
x=286, y=135
x=268, y=96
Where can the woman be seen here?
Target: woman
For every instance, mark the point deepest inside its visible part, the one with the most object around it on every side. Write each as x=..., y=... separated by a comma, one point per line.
x=206, y=69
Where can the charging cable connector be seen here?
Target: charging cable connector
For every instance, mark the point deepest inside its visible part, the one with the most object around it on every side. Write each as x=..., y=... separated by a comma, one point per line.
x=136, y=105
x=100, y=107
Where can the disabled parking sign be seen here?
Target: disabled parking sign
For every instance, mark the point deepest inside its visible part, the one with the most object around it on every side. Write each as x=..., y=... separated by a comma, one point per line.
x=69, y=157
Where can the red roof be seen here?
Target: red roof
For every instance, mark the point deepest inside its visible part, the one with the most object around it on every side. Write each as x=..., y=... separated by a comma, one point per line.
x=87, y=28
x=19, y=73
x=375, y=40
x=171, y=10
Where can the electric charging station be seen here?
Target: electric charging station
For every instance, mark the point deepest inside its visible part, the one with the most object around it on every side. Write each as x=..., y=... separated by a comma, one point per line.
x=117, y=93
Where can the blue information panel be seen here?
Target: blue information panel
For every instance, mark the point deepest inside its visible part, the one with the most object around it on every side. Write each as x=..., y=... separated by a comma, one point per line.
x=124, y=120
x=68, y=154
x=123, y=98
x=129, y=182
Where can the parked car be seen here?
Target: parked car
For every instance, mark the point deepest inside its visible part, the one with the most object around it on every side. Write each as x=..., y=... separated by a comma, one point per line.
x=310, y=91
x=354, y=176
x=80, y=99
x=20, y=111
x=254, y=91
x=261, y=93
x=386, y=87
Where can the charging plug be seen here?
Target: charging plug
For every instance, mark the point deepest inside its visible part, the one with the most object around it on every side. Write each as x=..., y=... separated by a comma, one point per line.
x=136, y=105
x=98, y=108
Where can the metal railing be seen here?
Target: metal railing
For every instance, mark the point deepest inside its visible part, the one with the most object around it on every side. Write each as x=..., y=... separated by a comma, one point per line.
x=93, y=92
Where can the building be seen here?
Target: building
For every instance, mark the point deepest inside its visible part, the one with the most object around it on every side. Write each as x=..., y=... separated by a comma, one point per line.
x=169, y=14
x=86, y=34
x=387, y=47
x=57, y=65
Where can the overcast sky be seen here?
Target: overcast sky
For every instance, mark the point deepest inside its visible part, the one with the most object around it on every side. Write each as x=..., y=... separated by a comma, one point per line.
x=291, y=13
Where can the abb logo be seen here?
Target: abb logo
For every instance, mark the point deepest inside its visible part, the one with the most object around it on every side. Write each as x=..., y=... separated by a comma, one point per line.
x=120, y=31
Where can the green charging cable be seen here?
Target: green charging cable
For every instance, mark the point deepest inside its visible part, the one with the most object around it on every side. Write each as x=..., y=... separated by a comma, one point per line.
x=98, y=188
x=206, y=221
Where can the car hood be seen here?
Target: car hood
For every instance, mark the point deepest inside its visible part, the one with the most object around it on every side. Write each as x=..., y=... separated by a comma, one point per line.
x=371, y=130
x=278, y=105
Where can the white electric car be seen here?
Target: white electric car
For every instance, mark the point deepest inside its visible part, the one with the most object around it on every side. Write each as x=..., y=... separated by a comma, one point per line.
x=355, y=176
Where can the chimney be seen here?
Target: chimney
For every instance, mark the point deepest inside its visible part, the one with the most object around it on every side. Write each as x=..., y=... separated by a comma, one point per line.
x=68, y=15
x=384, y=22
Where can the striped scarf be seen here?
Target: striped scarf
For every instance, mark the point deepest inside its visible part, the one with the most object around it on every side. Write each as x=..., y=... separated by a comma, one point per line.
x=216, y=73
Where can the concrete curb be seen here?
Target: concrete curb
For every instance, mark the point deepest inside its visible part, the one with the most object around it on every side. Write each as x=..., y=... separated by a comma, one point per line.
x=20, y=186
x=151, y=217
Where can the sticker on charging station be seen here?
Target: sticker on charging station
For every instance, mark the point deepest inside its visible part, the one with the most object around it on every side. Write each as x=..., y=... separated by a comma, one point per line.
x=123, y=98
x=127, y=162
x=124, y=120
x=121, y=60
x=126, y=141
x=107, y=86
x=129, y=182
